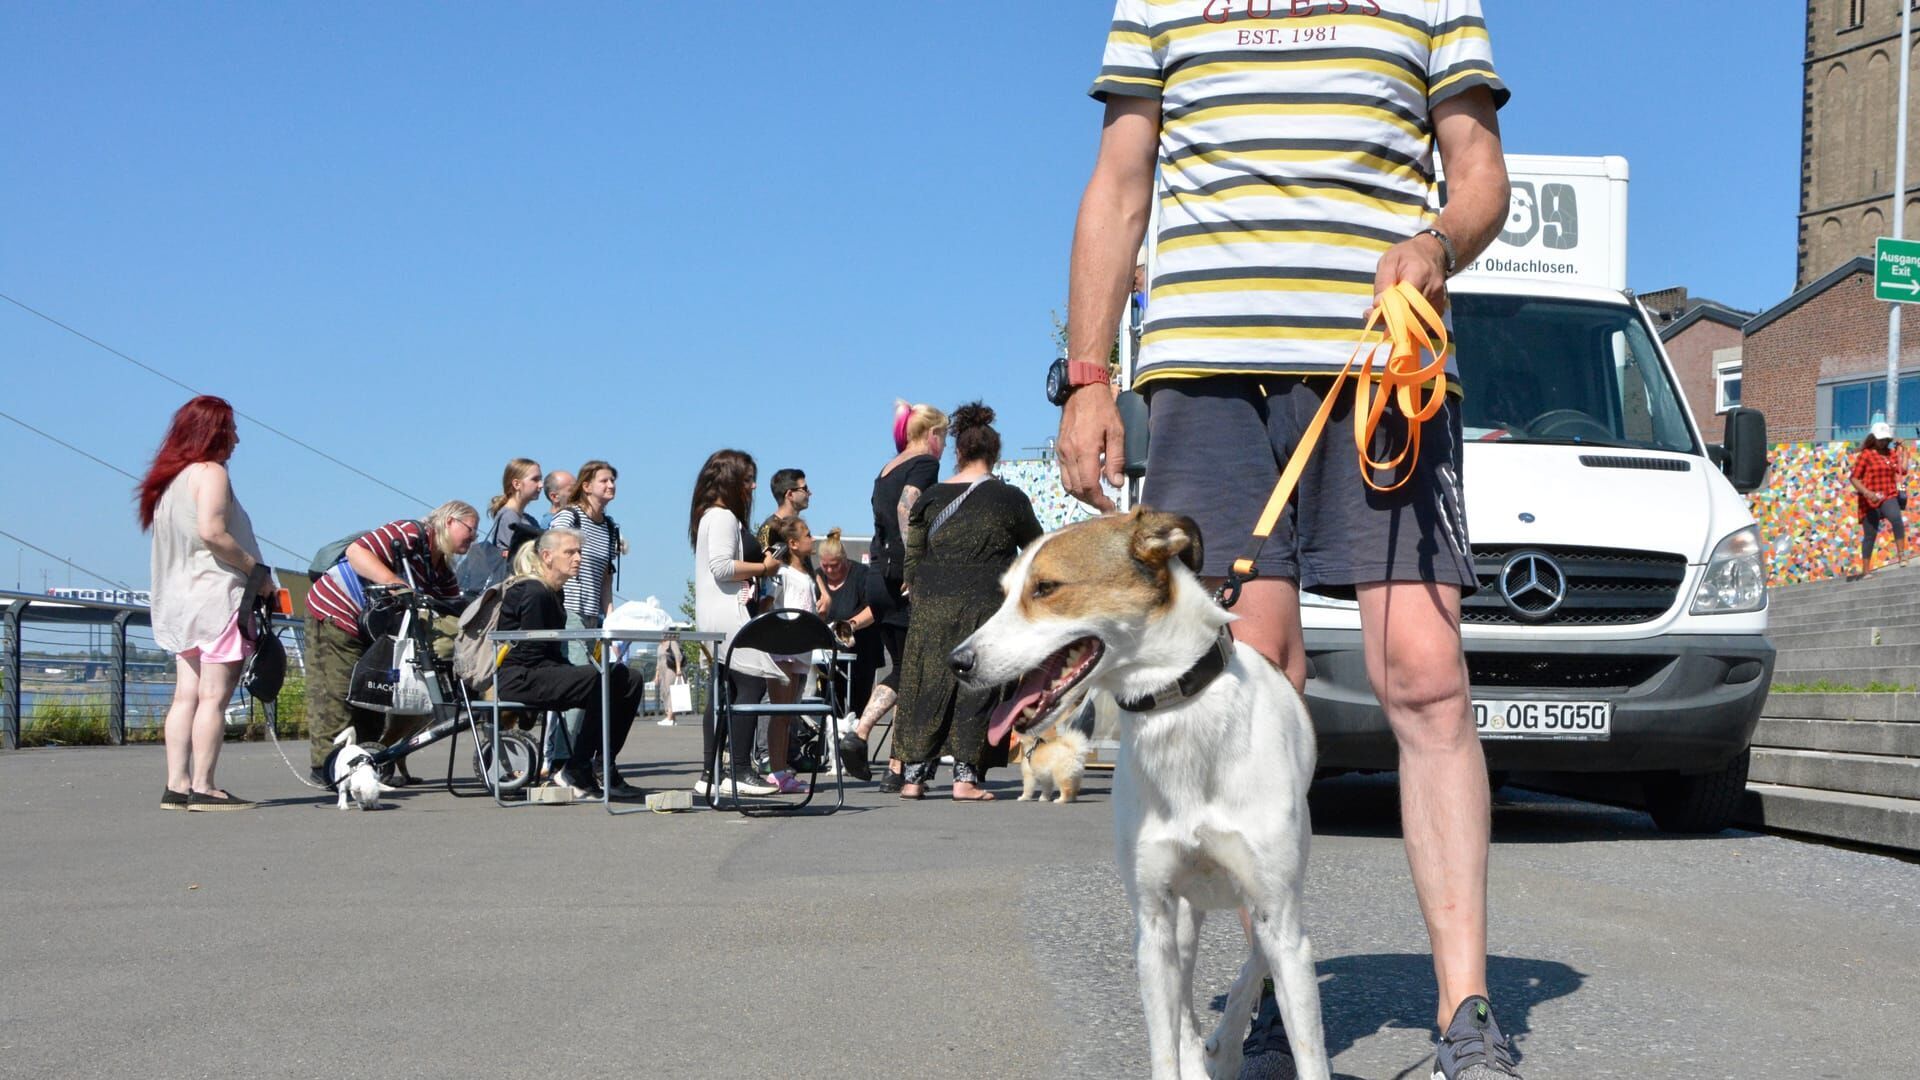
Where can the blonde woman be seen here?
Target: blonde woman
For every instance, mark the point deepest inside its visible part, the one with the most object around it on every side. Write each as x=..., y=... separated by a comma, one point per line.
x=848, y=590
x=920, y=436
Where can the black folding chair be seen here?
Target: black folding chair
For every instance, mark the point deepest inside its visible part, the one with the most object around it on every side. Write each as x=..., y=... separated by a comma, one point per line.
x=784, y=631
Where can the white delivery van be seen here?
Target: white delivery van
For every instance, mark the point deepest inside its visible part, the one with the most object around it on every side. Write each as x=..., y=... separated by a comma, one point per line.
x=1620, y=620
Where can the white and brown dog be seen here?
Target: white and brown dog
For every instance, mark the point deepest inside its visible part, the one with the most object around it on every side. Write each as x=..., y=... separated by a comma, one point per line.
x=1050, y=762
x=1210, y=791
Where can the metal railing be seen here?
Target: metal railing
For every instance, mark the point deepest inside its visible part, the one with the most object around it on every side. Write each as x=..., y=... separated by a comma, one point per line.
x=90, y=671
x=84, y=665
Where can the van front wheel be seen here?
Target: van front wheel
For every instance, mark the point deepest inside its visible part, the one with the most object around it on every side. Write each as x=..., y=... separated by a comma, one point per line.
x=1703, y=803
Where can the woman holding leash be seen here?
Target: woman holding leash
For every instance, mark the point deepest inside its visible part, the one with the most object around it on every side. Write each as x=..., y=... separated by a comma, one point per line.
x=206, y=567
x=961, y=537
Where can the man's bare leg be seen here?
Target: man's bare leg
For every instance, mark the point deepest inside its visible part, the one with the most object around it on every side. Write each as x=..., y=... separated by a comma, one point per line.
x=1419, y=673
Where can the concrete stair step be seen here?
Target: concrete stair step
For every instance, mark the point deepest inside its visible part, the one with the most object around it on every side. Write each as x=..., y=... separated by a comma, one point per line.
x=1858, y=678
x=1902, y=612
x=1838, y=815
x=1886, y=578
x=1839, y=736
x=1895, y=708
x=1815, y=624
x=1860, y=656
x=1862, y=774
x=1853, y=637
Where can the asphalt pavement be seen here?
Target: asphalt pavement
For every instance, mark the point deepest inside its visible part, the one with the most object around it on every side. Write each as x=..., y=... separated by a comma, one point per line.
x=449, y=938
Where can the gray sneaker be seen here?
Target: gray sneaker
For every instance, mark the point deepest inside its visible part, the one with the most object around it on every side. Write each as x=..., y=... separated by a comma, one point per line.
x=1267, y=1053
x=1472, y=1047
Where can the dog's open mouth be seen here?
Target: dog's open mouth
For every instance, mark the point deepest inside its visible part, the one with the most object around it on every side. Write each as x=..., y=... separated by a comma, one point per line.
x=1044, y=688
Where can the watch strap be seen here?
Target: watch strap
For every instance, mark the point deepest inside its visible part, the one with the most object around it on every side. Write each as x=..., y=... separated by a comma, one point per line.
x=1446, y=245
x=1081, y=373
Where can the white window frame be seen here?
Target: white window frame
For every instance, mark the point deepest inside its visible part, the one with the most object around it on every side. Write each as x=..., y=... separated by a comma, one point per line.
x=1725, y=371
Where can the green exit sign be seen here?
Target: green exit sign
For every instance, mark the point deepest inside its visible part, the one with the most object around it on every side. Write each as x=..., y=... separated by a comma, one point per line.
x=1896, y=270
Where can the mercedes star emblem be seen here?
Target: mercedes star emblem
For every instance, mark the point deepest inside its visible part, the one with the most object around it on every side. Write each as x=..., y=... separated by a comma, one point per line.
x=1533, y=584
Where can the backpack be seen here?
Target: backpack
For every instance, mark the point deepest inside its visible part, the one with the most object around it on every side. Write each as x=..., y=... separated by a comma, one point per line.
x=474, y=656
x=331, y=554
x=484, y=564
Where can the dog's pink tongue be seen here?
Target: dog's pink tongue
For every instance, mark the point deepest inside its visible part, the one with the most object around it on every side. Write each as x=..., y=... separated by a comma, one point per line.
x=1031, y=690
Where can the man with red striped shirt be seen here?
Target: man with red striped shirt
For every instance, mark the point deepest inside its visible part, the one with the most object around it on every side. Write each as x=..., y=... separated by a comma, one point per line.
x=417, y=554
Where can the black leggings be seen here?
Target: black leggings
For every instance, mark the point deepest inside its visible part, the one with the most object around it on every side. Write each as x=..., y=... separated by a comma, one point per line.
x=577, y=686
x=747, y=690
x=1887, y=513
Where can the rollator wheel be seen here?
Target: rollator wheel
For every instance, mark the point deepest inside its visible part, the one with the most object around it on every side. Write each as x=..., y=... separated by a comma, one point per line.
x=519, y=760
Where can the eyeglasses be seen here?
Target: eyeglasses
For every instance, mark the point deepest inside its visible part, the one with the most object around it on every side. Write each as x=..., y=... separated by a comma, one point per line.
x=802, y=487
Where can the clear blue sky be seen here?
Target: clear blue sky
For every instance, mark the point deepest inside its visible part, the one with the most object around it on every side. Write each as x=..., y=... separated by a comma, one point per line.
x=433, y=237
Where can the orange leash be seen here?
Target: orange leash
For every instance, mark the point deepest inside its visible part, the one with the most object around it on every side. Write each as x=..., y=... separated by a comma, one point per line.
x=1408, y=326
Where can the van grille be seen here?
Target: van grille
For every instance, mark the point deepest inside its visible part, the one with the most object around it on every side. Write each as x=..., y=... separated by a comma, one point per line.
x=1513, y=670
x=1604, y=586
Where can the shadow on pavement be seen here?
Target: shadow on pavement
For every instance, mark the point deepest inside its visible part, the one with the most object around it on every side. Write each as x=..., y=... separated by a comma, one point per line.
x=1369, y=805
x=1368, y=993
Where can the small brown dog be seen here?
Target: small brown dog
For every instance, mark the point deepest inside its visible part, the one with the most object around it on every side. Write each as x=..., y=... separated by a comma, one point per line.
x=1053, y=763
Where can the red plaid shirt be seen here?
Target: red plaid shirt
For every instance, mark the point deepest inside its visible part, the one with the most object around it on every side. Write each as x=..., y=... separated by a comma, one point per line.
x=1880, y=473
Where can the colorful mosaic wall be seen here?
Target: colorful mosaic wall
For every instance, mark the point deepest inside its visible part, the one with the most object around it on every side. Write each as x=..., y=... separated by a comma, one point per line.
x=1806, y=514
x=1040, y=479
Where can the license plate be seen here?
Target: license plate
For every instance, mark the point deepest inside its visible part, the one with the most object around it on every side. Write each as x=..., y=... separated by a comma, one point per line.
x=1543, y=719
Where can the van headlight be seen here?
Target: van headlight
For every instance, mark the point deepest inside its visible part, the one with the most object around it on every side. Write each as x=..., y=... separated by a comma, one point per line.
x=1736, y=577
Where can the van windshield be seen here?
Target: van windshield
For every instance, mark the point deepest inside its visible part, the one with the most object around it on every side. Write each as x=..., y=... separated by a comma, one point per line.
x=1563, y=371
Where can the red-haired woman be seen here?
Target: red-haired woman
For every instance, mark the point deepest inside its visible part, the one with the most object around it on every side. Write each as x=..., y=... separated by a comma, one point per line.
x=205, y=567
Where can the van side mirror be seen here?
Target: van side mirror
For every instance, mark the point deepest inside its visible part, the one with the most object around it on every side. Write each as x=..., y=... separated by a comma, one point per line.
x=1133, y=415
x=1746, y=449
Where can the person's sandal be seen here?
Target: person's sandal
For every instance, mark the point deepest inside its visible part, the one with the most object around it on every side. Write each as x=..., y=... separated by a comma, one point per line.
x=914, y=796
x=890, y=783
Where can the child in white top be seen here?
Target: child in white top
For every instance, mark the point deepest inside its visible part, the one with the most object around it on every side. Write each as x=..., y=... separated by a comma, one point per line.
x=796, y=589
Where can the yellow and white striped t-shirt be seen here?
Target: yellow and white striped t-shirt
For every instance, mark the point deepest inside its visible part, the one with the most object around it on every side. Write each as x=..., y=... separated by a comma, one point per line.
x=1296, y=146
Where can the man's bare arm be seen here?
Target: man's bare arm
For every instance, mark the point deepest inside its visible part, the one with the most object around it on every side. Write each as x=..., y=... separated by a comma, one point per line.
x=1114, y=211
x=1468, y=132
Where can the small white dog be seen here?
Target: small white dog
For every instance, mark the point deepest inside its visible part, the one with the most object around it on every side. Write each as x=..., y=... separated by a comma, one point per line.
x=1210, y=791
x=352, y=773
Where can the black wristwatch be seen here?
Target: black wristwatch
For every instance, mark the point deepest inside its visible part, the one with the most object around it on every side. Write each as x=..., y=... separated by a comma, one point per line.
x=1057, y=389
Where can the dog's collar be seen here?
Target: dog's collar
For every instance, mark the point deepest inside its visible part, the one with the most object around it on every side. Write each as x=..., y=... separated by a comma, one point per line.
x=1197, y=678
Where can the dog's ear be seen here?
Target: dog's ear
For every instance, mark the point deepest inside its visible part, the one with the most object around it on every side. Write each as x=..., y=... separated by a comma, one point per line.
x=1158, y=537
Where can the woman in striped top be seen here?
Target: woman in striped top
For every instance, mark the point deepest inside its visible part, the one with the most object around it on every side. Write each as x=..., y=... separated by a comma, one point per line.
x=589, y=594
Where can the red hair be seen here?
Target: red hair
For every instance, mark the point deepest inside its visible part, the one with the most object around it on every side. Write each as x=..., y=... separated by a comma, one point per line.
x=201, y=431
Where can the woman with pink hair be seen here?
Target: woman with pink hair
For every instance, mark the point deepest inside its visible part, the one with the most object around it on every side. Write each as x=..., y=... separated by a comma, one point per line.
x=920, y=437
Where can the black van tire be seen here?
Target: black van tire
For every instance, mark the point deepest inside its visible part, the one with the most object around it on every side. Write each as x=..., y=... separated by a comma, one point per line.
x=1701, y=803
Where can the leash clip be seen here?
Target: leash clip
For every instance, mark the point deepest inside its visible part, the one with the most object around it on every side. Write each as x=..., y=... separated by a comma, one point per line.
x=1228, y=594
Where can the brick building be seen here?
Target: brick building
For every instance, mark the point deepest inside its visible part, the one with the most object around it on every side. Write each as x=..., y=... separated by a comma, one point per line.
x=1816, y=363
x=1847, y=134
x=1703, y=339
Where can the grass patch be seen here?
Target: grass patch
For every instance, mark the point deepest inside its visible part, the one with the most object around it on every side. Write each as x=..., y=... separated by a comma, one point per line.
x=70, y=721
x=1827, y=686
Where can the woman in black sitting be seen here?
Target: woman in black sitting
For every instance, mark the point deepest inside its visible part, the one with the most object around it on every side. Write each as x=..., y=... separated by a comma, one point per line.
x=537, y=674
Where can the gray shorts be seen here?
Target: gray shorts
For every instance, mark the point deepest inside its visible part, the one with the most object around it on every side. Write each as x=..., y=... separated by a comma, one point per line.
x=1216, y=448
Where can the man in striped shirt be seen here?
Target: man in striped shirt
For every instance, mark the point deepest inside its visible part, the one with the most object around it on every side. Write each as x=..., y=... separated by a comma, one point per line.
x=1294, y=144
x=389, y=555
